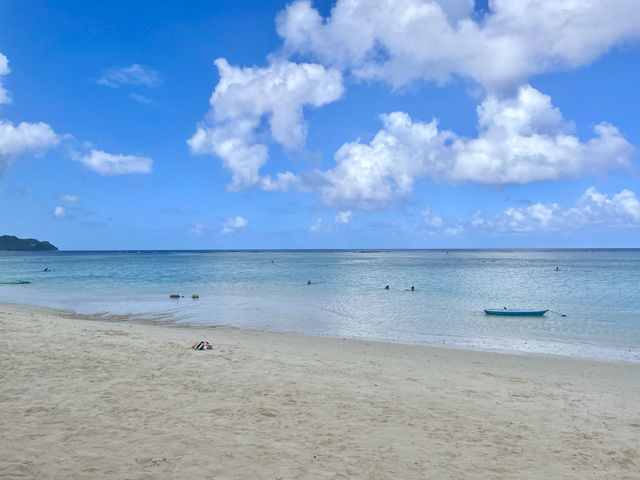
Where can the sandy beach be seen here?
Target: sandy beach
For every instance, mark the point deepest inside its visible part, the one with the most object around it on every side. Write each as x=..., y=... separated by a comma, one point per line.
x=88, y=398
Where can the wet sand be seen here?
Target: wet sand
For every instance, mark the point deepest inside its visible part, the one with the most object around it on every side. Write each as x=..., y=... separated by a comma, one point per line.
x=87, y=398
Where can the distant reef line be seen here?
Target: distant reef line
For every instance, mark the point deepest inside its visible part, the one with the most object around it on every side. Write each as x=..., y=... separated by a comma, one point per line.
x=11, y=243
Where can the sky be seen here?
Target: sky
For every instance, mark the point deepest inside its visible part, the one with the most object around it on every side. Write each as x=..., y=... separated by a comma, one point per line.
x=347, y=124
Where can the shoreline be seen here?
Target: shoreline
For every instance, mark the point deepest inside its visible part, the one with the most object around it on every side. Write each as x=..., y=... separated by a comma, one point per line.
x=125, y=399
x=269, y=292
x=588, y=351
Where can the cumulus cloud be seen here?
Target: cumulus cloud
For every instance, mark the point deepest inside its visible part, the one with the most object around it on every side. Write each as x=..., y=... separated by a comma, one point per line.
x=37, y=138
x=26, y=137
x=371, y=176
x=520, y=140
x=592, y=208
x=243, y=98
x=4, y=70
x=434, y=224
x=59, y=212
x=342, y=218
x=232, y=224
x=525, y=139
x=400, y=41
x=521, y=137
x=621, y=210
x=430, y=219
x=108, y=164
x=133, y=75
x=597, y=208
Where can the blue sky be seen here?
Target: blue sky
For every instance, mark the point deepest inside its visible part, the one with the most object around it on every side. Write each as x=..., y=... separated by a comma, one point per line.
x=378, y=124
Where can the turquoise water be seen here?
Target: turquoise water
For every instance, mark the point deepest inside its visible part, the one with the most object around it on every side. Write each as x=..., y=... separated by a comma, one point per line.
x=597, y=290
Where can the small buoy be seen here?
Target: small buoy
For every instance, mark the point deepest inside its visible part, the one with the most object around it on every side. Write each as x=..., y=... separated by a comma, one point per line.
x=195, y=295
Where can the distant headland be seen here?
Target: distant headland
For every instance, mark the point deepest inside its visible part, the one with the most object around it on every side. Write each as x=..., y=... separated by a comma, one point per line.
x=12, y=243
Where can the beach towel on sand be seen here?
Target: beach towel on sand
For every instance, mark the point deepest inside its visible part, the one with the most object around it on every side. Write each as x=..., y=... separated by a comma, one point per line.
x=203, y=345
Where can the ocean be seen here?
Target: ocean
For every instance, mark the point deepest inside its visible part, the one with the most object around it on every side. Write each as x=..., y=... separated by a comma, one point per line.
x=597, y=291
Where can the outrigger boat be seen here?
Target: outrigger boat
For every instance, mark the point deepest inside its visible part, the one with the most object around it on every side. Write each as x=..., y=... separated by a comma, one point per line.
x=504, y=311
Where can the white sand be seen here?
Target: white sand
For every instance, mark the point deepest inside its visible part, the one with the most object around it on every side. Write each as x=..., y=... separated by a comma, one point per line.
x=100, y=399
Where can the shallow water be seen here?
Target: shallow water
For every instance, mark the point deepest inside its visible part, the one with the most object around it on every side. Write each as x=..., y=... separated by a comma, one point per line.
x=597, y=290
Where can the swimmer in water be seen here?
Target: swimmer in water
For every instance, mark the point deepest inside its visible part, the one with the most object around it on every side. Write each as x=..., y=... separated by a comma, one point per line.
x=308, y=282
x=413, y=289
x=387, y=287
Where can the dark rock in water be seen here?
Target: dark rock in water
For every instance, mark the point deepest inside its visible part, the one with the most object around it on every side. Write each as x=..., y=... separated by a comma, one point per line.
x=195, y=295
x=15, y=244
x=174, y=296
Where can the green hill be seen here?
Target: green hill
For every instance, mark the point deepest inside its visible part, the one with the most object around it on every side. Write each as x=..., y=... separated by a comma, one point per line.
x=11, y=243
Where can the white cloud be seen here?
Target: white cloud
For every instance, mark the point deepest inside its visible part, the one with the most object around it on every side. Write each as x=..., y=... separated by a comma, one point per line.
x=37, y=138
x=456, y=9
x=435, y=224
x=232, y=224
x=520, y=140
x=454, y=230
x=141, y=99
x=69, y=198
x=133, y=75
x=430, y=219
x=109, y=164
x=4, y=70
x=476, y=220
x=536, y=217
x=521, y=137
x=25, y=137
x=371, y=176
x=59, y=212
x=317, y=225
x=342, y=218
x=592, y=208
x=246, y=96
x=525, y=140
x=198, y=228
x=401, y=41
